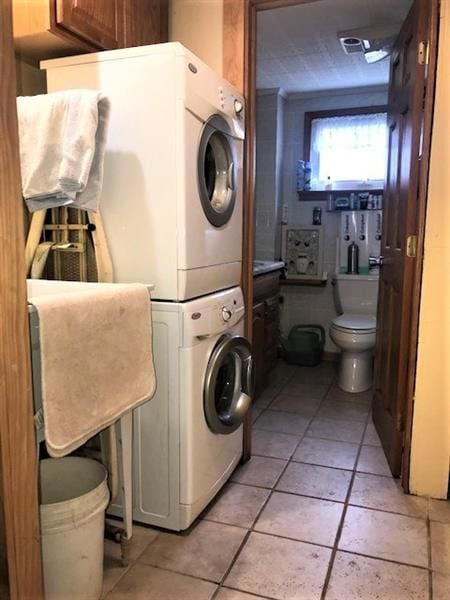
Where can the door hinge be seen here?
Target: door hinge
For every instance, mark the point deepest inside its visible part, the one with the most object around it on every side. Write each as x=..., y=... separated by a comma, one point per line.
x=423, y=53
x=411, y=246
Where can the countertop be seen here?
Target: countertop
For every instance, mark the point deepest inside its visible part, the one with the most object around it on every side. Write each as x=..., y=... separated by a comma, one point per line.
x=266, y=266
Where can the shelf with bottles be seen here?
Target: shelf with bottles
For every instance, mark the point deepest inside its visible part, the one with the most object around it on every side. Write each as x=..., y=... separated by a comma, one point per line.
x=322, y=195
x=338, y=200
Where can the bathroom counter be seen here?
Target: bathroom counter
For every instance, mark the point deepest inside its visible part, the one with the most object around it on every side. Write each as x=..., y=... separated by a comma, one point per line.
x=261, y=267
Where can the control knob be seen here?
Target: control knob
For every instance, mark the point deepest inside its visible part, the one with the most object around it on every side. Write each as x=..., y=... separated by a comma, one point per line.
x=238, y=107
x=226, y=314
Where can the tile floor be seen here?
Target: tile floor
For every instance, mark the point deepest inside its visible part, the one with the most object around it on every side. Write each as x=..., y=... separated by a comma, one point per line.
x=315, y=515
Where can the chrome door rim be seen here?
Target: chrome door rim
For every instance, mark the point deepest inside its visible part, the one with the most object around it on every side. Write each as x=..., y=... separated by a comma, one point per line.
x=241, y=350
x=218, y=204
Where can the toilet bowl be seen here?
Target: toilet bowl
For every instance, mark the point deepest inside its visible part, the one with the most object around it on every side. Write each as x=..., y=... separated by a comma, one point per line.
x=355, y=335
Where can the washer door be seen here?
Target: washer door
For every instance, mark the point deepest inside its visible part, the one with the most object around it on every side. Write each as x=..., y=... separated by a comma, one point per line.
x=216, y=168
x=228, y=384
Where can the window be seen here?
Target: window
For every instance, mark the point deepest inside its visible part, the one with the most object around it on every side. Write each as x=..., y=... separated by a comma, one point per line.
x=349, y=149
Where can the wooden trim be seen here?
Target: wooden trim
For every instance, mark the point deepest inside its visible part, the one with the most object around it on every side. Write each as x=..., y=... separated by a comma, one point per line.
x=18, y=462
x=421, y=221
x=337, y=112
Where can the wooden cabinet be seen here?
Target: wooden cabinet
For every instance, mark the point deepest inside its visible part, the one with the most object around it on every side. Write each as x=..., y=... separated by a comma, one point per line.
x=258, y=346
x=97, y=22
x=48, y=28
x=266, y=324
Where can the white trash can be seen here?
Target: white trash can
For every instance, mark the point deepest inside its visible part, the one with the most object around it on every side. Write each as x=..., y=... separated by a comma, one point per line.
x=74, y=497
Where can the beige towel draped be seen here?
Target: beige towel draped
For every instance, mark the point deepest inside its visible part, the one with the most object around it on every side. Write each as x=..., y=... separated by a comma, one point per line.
x=96, y=360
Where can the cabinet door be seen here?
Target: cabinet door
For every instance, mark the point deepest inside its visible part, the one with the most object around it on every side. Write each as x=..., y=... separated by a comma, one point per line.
x=146, y=22
x=99, y=22
x=258, y=346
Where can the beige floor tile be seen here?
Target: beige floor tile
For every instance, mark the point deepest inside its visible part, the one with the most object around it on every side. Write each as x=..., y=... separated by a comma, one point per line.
x=311, y=480
x=295, y=404
x=441, y=586
x=282, y=422
x=327, y=453
x=259, y=470
x=255, y=413
x=273, y=444
x=227, y=594
x=266, y=397
x=343, y=411
x=315, y=391
x=301, y=518
x=282, y=371
x=371, y=436
x=440, y=547
x=112, y=564
x=439, y=510
x=338, y=395
x=279, y=568
x=385, y=535
x=373, y=460
x=323, y=374
x=359, y=578
x=341, y=431
x=385, y=493
x=237, y=505
x=143, y=582
x=205, y=551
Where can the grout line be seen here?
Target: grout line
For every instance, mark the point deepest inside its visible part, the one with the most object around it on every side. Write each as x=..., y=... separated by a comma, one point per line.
x=430, y=562
x=341, y=524
x=227, y=587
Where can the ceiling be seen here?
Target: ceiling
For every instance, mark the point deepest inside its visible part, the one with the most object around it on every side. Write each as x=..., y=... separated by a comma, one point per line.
x=298, y=49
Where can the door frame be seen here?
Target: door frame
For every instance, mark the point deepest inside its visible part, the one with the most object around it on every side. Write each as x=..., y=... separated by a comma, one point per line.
x=239, y=67
x=20, y=549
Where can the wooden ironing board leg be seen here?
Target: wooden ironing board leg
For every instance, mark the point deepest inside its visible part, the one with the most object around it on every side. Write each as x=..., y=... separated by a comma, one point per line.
x=126, y=435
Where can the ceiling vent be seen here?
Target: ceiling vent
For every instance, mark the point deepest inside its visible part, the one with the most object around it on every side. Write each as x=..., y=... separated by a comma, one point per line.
x=374, y=42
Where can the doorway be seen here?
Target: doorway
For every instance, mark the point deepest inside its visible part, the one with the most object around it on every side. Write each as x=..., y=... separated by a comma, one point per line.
x=274, y=74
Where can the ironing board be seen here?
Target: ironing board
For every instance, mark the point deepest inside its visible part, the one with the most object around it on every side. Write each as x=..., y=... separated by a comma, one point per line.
x=125, y=425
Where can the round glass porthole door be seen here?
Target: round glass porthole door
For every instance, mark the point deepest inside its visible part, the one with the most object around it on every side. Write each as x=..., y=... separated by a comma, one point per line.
x=216, y=171
x=228, y=384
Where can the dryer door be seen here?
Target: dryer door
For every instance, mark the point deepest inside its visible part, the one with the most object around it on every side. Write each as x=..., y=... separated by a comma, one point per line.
x=228, y=384
x=216, y=169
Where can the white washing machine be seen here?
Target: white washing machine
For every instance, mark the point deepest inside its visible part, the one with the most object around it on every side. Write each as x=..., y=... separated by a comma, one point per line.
x=188, y=438
x=172, y=195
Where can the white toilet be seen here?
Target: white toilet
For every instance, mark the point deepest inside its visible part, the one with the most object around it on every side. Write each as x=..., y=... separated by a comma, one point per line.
x=354, y=330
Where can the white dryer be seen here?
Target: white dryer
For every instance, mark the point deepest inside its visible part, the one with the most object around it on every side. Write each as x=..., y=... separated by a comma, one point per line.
x=172, y=195
x=188, y=438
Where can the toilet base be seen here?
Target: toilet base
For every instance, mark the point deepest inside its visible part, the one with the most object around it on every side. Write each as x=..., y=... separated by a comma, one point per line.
x=356, y=371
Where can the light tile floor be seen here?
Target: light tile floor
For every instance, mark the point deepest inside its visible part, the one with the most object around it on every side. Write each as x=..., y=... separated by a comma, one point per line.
x=315, y=515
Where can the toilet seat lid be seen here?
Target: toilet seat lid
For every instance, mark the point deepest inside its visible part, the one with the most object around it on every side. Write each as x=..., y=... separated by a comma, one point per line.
x=359, y=322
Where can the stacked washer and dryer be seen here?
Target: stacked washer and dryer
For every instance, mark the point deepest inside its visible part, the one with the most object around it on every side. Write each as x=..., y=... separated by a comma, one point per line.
x=172, y=210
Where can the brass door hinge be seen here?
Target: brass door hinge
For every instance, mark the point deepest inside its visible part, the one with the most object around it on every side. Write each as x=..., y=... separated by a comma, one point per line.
x=411, y=246
x=423, y=53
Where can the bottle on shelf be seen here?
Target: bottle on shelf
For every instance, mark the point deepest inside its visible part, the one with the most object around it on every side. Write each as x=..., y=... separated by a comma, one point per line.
x=330, y=202
x=328, y=184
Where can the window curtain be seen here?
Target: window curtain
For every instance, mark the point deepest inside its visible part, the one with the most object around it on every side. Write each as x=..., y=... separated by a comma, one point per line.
x=351, y=148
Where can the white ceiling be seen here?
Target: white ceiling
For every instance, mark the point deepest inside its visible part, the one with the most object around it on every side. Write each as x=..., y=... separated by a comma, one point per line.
x=298, y=49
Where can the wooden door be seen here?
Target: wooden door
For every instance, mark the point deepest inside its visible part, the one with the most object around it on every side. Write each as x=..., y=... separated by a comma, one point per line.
x=99, y=22
x=401, y=222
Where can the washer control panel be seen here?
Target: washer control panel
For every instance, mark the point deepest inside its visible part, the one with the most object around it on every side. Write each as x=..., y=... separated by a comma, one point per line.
x=212, y=315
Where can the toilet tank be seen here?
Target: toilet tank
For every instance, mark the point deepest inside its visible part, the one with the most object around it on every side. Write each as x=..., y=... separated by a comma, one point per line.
x=357, y=294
